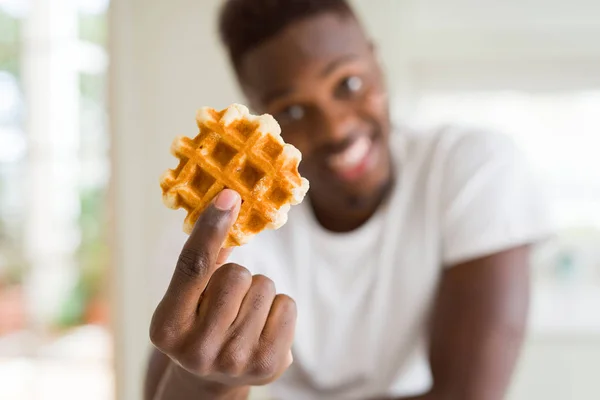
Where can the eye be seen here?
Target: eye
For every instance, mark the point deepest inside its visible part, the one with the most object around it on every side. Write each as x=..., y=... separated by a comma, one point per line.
x=351, y=84
x=292, y=113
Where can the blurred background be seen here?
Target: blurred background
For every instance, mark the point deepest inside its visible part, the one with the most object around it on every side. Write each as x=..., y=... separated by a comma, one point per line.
x=54, y=169
x=92, y=94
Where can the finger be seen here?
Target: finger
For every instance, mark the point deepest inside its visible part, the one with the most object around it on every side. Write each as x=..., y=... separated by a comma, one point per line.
x=210, y=231
x=277, y=337
x=222, y=298
x=255, y=309
x=197, y=260
x=281, y=322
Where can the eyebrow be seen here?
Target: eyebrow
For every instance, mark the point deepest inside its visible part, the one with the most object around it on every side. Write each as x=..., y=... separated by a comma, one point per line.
x=328, y=70
x=335, y=64
x=270, y=97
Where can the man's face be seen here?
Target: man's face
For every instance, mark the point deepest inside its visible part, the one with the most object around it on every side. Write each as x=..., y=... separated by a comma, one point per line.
x=321, y=81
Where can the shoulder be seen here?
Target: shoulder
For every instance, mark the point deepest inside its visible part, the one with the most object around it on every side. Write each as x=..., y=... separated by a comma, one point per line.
x=456, y=141
x=450, y=150
x=479, y=144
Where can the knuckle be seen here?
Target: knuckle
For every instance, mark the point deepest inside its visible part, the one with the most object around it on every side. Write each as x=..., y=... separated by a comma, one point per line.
x=287, y=305
x=189, y=360
x=234, y=358
x=163, y=335
x=159, y=337
x=197, y=361
x=265, y=363
x=193, y=262
x=234, y=273
x=264, y=284
x=198, y=355
x=263, y=291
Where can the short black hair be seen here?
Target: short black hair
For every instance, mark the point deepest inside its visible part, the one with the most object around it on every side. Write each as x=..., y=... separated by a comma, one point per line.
x=245, y=24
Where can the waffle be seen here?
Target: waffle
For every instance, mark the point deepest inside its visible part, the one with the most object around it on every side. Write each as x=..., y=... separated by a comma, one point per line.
x=242, y=152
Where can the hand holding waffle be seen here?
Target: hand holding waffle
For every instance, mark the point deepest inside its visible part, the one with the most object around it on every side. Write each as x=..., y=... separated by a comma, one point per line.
x=223, y=328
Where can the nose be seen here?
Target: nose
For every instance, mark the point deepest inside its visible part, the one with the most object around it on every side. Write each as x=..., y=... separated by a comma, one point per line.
x=339, y=121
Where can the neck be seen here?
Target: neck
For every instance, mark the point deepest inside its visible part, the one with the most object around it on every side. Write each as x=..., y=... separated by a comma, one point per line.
x=347, y=214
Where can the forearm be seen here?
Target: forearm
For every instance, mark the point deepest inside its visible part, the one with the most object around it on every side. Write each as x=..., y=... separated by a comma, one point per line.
x=178, y=384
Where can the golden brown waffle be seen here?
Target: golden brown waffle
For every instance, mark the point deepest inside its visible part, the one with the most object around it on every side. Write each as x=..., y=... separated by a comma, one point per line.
x=242, y=152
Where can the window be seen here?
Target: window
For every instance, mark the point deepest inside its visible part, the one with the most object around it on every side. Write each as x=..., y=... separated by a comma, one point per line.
x=54, y=340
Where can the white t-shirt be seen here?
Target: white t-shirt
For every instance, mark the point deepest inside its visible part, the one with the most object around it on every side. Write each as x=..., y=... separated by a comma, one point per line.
x=364, y=297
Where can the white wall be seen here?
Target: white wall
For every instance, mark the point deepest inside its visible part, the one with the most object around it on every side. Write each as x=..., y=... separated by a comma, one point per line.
x=558, y=368
x=166, y=62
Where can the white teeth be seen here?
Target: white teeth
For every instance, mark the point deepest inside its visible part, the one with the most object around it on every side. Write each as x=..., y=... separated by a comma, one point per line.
x=352, y=156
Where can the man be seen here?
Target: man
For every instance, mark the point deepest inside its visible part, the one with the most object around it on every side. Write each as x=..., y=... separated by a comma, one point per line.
x=406, y=268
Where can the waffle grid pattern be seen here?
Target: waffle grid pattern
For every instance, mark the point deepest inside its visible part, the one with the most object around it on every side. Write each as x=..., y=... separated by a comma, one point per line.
x=238, y=151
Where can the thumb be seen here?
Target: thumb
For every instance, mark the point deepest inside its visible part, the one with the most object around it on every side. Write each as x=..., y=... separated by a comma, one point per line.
x=212, y=227
x=197, y=260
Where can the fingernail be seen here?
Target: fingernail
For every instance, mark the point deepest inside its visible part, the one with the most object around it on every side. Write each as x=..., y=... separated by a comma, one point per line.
x=226, y=200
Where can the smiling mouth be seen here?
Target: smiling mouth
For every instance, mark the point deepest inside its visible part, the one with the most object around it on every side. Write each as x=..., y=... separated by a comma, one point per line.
x=353, y=162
